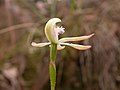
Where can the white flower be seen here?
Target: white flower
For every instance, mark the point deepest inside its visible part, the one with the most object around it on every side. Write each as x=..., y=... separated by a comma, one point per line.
x=52, y=31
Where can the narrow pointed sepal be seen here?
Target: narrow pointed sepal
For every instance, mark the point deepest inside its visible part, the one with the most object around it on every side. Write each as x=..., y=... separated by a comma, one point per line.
x=76, y=46
x=40, y=44
x=70, y=39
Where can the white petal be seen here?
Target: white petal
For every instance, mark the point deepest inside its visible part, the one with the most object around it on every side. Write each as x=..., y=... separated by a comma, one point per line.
x=40, y=44
x=68, y=39
x=76, y=46
x=59, y=47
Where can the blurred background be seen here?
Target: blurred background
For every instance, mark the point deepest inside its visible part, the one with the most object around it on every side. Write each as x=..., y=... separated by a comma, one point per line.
x=23, y=67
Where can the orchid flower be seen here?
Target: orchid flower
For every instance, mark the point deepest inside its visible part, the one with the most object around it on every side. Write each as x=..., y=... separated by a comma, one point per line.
x=52, y=31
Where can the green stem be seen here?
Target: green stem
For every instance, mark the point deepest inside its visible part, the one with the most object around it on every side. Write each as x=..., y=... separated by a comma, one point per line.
x=52, y=67
x=53, y=8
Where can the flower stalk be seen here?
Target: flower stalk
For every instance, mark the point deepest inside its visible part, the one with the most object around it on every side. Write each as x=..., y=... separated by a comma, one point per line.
x=52, y=67
x=52, y=31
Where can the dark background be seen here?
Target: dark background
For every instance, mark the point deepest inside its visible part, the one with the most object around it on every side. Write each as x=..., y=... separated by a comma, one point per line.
x=23, y=67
